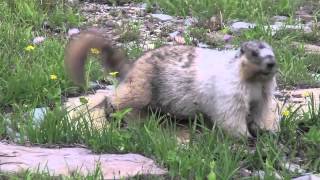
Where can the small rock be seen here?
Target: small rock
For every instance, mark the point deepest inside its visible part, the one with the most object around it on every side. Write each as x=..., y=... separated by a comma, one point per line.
x=261, y=174
x=294, y=168
x=174, y=34
x=73, y=31
x=190, y=21
x=237, y=27
x=38, y=40
x=162, y=17
x=245, y=172
x=39, y=114
x=111, y=24
x=308, y=177
x=202, y=45
x=227, y=38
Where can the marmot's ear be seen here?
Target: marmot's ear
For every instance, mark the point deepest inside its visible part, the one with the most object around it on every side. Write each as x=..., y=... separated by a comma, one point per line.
x=250, y=48
x=243, y=47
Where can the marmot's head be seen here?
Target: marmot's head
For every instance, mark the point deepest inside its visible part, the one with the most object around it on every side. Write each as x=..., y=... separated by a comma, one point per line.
x=258, y=61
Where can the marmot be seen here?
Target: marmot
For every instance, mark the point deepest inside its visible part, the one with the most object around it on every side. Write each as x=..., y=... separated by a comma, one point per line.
x=232, y=88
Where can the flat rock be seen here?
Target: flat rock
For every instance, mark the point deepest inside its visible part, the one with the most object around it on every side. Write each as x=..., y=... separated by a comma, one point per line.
x=280, y=26
x=162, y=17
x=308, y=177
x=65, y=161
x=301, y=97
x=237, y=27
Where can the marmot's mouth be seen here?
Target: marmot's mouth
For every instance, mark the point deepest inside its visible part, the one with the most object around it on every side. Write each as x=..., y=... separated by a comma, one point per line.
x=266, y=73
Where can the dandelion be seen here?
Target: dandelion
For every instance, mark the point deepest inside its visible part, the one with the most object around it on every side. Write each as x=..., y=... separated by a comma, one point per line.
x=113, y=74
x=95, y=51
x=29, y=48
x=53, y=77
x=286, y=113
x=306, y=94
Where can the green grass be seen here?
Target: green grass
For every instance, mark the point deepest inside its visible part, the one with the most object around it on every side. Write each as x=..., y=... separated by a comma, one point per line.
x=25, y=83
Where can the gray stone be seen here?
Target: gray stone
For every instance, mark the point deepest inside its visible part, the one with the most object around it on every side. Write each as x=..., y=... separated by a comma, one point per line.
x=73, y=31
x=308, y=177
x=202, y=45
x=190, y=21
x=237, y=27
x=174, y=34
x=39, y=114
x=279, y=26
x=111, y=24
x=65, y=161
x=260, y=174
x=162, y=17
x=294, y=168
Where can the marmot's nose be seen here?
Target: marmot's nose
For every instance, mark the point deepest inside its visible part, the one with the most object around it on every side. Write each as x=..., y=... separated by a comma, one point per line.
x=270, y=65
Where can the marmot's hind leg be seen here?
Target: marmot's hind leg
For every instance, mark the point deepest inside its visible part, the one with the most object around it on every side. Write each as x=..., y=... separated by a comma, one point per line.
x=135, y=91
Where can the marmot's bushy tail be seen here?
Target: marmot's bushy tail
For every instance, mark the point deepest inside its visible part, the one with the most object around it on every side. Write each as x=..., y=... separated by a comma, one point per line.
x=76, y=54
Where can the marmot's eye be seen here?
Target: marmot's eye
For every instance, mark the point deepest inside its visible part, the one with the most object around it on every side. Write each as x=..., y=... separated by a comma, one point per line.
x=261, y=46
x=254, y=54
x=241, y=51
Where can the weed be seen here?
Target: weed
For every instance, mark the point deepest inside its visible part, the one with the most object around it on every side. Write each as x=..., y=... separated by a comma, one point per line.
x=129, y=32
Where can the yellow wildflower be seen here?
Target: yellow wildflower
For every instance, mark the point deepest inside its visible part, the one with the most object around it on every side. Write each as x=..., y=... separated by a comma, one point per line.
x=306, y=94
x=286, y=113
x=95, y=51
x=113, y=73
x=53, y=77
x=29, y=48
